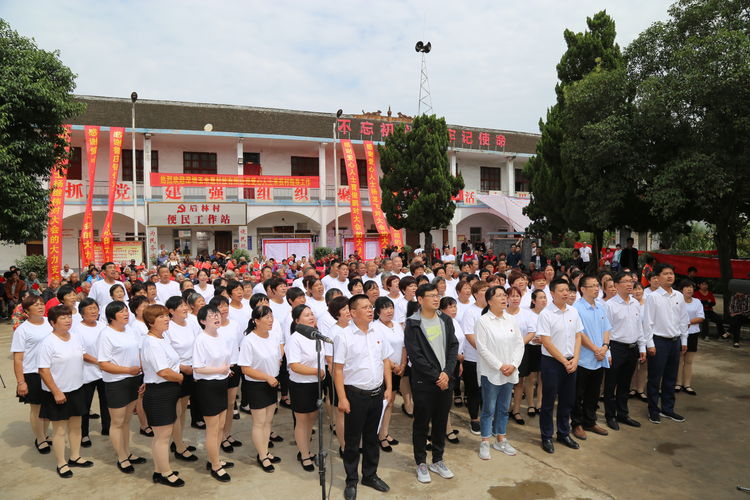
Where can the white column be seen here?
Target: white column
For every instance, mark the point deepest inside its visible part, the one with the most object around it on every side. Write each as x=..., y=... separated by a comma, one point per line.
x=453, y=162
x=146, y=173
x=240, y=156
x=511, y=171
x=323, y=236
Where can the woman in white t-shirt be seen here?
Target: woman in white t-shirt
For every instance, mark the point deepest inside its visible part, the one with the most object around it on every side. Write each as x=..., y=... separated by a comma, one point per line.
x=260, y=360
x=338, y=309
x=532, y=360
x=315, y=296
x=204, y=288
x=394, y=334
x=211, y=367
x=449, y=307
x=27, y=339
x=526, y=321
x=463, y=302
x=695, y=317
x=303, y=361
x=137, y=305
x=162, y=378
x=120, y=362
x=63, y=403
x=88, y=330
x=181, y=336
x=239, y=312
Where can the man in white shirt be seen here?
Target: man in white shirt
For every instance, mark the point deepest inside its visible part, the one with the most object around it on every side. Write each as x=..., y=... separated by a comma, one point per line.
x=560, y=328
x=342, y=281
x=333, y=274
x=100, y=289
x=66, y=272
x=371, y=273
x=585, y=252
x=666, y=329
x=447, y=255
x=165, y=287
x=265, y=274
x=450, y=281
x=627, y=346
x=363, y=380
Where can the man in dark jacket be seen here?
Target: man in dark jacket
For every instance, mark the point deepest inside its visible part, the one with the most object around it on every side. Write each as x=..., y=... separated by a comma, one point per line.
x=432, y=347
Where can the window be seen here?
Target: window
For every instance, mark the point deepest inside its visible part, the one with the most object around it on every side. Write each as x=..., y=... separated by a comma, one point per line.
x=522, y=182
x=198, y=163
x=490, y=179
x=305, y=166
x=251, y=166
x=74, y=165
x=361, y=169
x=127, y=164
x=253, y=158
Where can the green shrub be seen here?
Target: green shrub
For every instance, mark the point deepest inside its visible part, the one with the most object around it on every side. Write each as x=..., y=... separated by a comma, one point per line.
x=321, y=252
x=567, y=253
x=241, y=252
x=36, y=263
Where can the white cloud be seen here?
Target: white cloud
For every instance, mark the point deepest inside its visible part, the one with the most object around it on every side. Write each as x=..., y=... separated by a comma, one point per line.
x=492, y=64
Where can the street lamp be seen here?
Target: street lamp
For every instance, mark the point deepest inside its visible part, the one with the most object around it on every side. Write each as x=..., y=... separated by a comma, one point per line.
x=133, y=98
x=336, y=173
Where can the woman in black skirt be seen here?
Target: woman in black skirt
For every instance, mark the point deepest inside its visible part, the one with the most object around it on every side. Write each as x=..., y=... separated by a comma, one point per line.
x=302, y=359
x=260, y=360
x=211, y=367
x=63, y=402
x=338, y=308
x=162, y=377
x=119, y=359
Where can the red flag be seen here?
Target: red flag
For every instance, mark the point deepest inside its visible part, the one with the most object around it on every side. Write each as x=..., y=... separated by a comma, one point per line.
x=116, y=136
x=57, y=181
x=358, y=221
x=91, y=133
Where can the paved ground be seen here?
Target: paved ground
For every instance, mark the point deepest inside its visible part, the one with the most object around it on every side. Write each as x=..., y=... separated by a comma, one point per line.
x=705, y=457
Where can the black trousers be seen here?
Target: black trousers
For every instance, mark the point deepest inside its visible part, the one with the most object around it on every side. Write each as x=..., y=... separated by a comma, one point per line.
x=431, y=406
x=712, y=316
x=471, y=389
x=196, y=414
x=662, y=374
x=361, y=424
x=588, y=384
x=456, y=377
x=284, y=378
x=617, y=379
x=735, y=324
x=88, y=392
x=561, y=386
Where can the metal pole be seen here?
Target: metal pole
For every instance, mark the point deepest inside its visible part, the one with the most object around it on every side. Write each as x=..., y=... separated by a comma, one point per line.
x=135, y=187
x=336, y=173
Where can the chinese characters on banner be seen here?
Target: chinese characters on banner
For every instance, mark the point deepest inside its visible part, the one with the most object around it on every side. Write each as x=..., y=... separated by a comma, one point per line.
x=152, y=242
x=376, y=202
x=74, y=190
x=470, y=197
x=197, y=214
x=248, y=181
x=123, y=191
x=56, y=205
x=243, y=237
x=264, y=194
x=215, y=193
x=173, y=193
x=397, y=237
x=300, y=195
x=352, y=174
x=343, y=194
x=91, y=136
x=116, y=136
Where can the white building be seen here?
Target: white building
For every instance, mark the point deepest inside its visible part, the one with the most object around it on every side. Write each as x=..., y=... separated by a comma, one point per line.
x=192, y=138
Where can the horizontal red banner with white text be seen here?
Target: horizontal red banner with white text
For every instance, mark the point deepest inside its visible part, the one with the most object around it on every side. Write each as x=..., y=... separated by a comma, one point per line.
x=244, y=181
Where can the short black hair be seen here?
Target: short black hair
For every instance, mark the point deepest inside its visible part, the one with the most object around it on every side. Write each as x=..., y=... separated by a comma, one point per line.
x=405, y=282
x=174, y=302
x=661, y=266
x=85, y=303
x=256, y=298
x=357, y=298
x=56, y=312
x=423, y=289
x=336, y=305
x=63, y=291
x=555, y=282
x=293, y=293
x=136, y=302
x=113, y=308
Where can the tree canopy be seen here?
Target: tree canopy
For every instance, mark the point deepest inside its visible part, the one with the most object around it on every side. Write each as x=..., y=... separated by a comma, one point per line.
x=35, y=102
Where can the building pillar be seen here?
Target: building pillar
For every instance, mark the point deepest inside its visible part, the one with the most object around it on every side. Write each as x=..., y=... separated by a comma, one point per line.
x=452, y=225
x=453, y=162
x=511, y=175
x=147, y=195
x=323, y=236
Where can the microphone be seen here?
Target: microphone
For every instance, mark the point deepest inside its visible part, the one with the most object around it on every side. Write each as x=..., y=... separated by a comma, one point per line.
x=312, y=333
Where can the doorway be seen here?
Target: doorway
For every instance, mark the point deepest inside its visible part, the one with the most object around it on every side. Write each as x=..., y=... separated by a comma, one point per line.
x=223, y=241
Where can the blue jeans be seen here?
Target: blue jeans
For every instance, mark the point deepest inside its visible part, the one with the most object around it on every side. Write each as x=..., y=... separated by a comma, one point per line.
x=495, y=404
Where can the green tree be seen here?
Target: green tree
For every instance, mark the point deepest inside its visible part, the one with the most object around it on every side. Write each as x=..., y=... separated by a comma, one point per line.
x=36, y=101
x=417, y=183
x=691, y=75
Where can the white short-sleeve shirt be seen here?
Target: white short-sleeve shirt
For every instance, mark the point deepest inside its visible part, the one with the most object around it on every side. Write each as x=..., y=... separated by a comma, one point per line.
x=64, y=360
x=89, y=336
x=182, y=339
x=363, y=355
x=468, y=322
x=562, y=326
x=119, y=348
x=394, y=336
x=211, y=352
x=232, y=335
x=262, y=354
x=240, y=316
x=300, y=349
x=28, y=339
x=156, y=355
x=164, y=292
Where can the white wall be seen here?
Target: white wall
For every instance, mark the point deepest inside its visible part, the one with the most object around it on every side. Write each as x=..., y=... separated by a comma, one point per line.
x=9, y=254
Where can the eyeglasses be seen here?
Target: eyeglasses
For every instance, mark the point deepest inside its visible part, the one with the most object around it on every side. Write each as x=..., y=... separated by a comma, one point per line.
x=366, y=308
x=431, y=296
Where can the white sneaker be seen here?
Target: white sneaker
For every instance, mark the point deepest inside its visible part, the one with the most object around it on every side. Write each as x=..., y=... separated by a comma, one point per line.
x=504, y=446
x=423, y=473
x=441, y=469
x=484, y=450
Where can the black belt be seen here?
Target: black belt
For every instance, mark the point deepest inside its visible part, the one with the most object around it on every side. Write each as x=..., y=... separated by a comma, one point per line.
x=623, y=344
x=568, y=357
x=363, y=392
x=667, y=339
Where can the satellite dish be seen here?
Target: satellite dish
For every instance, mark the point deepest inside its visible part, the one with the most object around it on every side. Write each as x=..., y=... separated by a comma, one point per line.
x=419, y=46
x=427, y=47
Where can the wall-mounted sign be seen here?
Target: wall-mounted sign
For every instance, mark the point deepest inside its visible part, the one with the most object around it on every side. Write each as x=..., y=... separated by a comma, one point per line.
x=197, y=214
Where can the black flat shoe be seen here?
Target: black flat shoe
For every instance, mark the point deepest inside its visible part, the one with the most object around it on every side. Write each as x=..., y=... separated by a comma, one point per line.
x=85, y=442
x=185, y=457
x=689, y=390
x=629, y=421
x=310, y=467
x=284, y=403
x=517, y=418
x=227, y=446
x=266, y=468
x=394, y=442
x=198, y=425
x=43, y=447
x=270, y=444
x=612, y=424
x=643, y=397
x=148, y=431
x=224, y=465
x=341, y=453
x=68, y=473
x=77, y=463
x=129, y=469
x=273, y=459
x=350, y=493
x=632, y=393
x=569, y=442
x=403, y=410
x=532, y=411
x=387, y=448
x=427, y=446
x=452, y=436
x=94, y=416
x=173, y=447
x=276, y=438
x=458, y=402
x=136, y=460
x=233, y=441
x=162, y=479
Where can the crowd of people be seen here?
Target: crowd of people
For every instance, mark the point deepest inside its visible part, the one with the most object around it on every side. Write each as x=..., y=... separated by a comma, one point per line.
x=215, y=337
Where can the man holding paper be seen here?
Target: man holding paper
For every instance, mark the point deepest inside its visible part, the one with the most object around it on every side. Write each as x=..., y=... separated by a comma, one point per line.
x=432, y=347
x=362, y=374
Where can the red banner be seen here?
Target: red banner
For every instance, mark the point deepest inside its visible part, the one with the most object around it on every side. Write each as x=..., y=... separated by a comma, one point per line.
x=397, y=237
x=707, y=267
x=376, y=201
x=116, y=136
x=243, y=181
x=355, y=204
x=91, y=133
x=57, y=180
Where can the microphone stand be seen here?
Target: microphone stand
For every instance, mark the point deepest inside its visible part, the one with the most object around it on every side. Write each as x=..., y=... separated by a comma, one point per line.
x=321, y=451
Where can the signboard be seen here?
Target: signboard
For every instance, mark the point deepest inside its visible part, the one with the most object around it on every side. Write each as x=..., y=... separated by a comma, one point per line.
x=249, y=181
x=122, y=251
x=243, y=237
x=281, y=248
x=371, y=245
x=197, y=214
x=152, y=242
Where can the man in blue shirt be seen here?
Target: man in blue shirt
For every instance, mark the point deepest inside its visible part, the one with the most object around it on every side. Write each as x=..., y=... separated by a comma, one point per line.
x=595, y=357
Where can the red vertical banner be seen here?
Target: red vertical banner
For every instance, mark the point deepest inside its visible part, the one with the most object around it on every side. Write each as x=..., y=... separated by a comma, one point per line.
x=376, y=200
x=91, y=134
x=397, y=237
x=116, y=136
x=57, y=180
x=352, y=175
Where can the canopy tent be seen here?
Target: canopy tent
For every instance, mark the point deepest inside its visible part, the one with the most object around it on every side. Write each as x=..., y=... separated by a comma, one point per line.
x=508, y=208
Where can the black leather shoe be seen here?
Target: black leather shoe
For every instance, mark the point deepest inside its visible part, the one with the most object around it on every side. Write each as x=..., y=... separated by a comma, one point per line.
x=127, y=470
x=629, y=421
x=568, y=441
x=185, y=456
x=224, y=465
x=376, y=483
x=80, y=462
x=173, y=447
x=161, y=479
x=223, y=477
x=266, y=468
x=350, y=493
x=65, y=475
x=548, y=446
x=136, y=460
x=85, y=442
x=612, y=424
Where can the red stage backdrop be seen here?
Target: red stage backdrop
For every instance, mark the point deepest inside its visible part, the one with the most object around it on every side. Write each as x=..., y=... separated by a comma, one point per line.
x=358, y=221
x=707, y=267
x=91, y=133
x=57, y=180
x=116, y=136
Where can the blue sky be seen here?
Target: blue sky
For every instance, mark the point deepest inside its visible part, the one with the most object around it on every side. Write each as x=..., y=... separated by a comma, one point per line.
x=492, y=63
